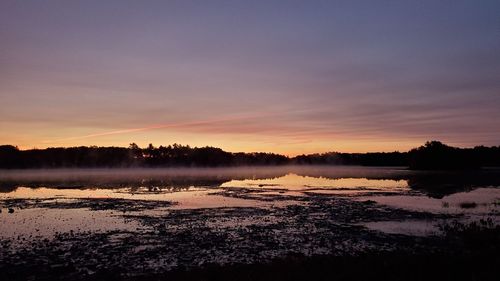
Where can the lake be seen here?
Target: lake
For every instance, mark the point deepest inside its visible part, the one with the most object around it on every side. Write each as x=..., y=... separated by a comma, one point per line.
x=189, y=217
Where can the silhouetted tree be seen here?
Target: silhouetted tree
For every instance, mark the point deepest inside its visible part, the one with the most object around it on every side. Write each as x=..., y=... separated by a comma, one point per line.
x=433, y=155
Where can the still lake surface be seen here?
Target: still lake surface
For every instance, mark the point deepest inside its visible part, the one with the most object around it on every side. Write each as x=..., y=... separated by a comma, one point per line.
x=36, y=203
x=136, y=221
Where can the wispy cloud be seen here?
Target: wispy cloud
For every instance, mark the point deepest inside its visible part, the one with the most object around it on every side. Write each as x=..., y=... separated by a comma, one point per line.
x=183, y=125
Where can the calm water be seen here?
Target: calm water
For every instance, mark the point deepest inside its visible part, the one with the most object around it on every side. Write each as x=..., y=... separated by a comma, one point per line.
x=42, y=203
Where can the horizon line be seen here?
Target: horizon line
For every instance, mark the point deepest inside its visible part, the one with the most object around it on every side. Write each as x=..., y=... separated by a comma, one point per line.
x=249, y=152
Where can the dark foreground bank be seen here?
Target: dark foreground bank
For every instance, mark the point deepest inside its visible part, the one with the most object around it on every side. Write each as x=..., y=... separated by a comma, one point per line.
x=463, y=252
x=474, y=257
x=375, y=266
x=468, y=252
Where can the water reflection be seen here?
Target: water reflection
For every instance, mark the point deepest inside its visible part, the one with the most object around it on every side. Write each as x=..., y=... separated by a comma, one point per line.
x=205, y=192
x=74, y=195
x=434, y=184
x=46, y=223
x=307, y=183
x=406, y=227
x=479, y=201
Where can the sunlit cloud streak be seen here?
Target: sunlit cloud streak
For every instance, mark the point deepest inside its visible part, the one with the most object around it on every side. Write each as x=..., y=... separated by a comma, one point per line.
x=155, y=127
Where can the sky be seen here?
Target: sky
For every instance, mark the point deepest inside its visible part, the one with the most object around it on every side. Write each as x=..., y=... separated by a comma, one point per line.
x=289, y=77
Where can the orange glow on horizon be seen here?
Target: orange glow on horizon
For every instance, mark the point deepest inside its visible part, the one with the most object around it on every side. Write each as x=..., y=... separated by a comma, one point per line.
x=232, y=143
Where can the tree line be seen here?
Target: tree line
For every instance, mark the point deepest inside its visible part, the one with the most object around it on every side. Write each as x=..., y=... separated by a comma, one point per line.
x=432, y=155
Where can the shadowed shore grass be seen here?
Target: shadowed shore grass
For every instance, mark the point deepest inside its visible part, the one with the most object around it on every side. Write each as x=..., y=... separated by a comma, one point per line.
x=469, y=252
x=371, y=266
x=466, y=252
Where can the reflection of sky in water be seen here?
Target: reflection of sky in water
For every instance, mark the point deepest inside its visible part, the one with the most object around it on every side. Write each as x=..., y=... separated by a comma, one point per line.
x=481, y=203
x=478, y=201
x=28, y=223
x=90, y=192
x=205, y=189
x=45, y=223
x=296, y=182
x=292, y=182
x=186, y=199
x=408, y=227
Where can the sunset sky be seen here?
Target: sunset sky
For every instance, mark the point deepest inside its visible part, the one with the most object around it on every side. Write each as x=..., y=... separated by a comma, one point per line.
x=289, y=77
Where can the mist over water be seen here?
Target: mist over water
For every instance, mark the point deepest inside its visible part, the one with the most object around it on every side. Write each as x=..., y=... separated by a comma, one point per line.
x=432, y=183
x=45, y=208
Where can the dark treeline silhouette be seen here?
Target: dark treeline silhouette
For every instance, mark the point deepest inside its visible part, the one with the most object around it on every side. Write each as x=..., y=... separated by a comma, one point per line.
x=364, y=159
x=433, y=155
x=164, y=156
